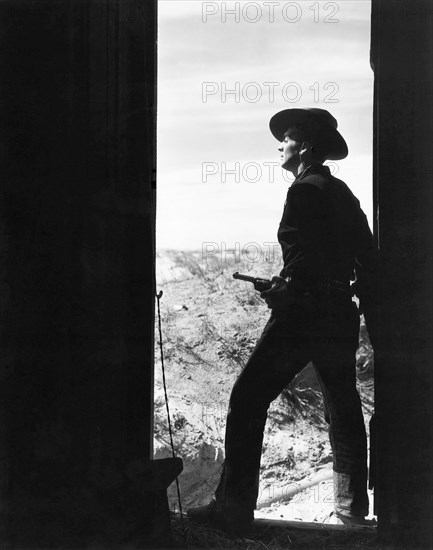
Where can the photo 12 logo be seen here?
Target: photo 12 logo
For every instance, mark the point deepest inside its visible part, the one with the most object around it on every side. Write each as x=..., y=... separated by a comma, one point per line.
x=251, y=252
x=270, y=12
x=250, y=172
x=322, y=492
x=216, y=410
x=253, y=92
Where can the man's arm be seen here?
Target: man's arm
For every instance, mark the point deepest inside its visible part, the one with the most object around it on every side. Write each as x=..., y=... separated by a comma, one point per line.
x=367, y=273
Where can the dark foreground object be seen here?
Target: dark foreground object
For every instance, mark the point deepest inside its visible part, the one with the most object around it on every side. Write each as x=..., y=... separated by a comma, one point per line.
x=77, y=110
x=152, y=481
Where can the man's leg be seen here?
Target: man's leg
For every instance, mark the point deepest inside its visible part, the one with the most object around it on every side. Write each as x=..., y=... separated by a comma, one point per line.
x=336, y=369
x=276, y=359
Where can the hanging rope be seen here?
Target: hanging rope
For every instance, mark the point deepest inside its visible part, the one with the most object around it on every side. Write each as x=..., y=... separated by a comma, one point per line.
x=158, y=298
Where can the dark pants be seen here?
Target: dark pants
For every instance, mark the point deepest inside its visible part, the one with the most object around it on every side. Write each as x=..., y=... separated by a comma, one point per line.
x=328, y=336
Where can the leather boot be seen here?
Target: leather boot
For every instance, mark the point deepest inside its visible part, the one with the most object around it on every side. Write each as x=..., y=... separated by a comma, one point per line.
x=350, y=496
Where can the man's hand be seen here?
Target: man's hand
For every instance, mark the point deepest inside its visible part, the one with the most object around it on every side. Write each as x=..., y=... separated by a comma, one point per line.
x=279, y=297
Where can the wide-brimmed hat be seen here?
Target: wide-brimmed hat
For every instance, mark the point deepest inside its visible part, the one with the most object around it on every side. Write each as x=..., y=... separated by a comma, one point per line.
x=326, y=124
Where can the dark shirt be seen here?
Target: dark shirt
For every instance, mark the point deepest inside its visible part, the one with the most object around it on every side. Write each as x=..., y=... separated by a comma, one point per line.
x=324, y=233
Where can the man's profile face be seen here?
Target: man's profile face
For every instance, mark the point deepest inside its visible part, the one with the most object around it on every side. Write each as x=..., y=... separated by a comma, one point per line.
x=289, y=150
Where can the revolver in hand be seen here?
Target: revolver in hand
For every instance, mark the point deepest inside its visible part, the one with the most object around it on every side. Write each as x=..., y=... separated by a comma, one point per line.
x=259, y=284
x=277, y=294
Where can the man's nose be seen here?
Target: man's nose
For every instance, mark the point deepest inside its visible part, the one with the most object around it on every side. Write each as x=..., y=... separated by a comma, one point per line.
x=280, y=148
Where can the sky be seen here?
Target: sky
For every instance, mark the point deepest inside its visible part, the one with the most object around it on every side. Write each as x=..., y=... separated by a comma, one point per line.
x=224, y=68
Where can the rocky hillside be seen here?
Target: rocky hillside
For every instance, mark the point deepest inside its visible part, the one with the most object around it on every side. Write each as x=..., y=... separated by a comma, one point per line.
x=210, y=323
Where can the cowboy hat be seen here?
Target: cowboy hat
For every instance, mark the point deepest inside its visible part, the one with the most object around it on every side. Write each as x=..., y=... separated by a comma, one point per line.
x=336, y=146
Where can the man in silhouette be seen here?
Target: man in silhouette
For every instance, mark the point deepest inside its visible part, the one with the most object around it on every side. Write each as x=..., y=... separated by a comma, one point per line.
x=326, y=244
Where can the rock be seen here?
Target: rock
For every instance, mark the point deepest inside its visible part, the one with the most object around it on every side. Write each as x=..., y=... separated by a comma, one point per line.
x=178, y=307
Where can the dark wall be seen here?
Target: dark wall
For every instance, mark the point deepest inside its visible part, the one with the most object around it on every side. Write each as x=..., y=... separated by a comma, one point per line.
x=402, y=37
x=77, y=261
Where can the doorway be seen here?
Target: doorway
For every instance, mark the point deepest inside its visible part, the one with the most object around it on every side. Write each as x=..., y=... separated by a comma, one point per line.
x=224, y=68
